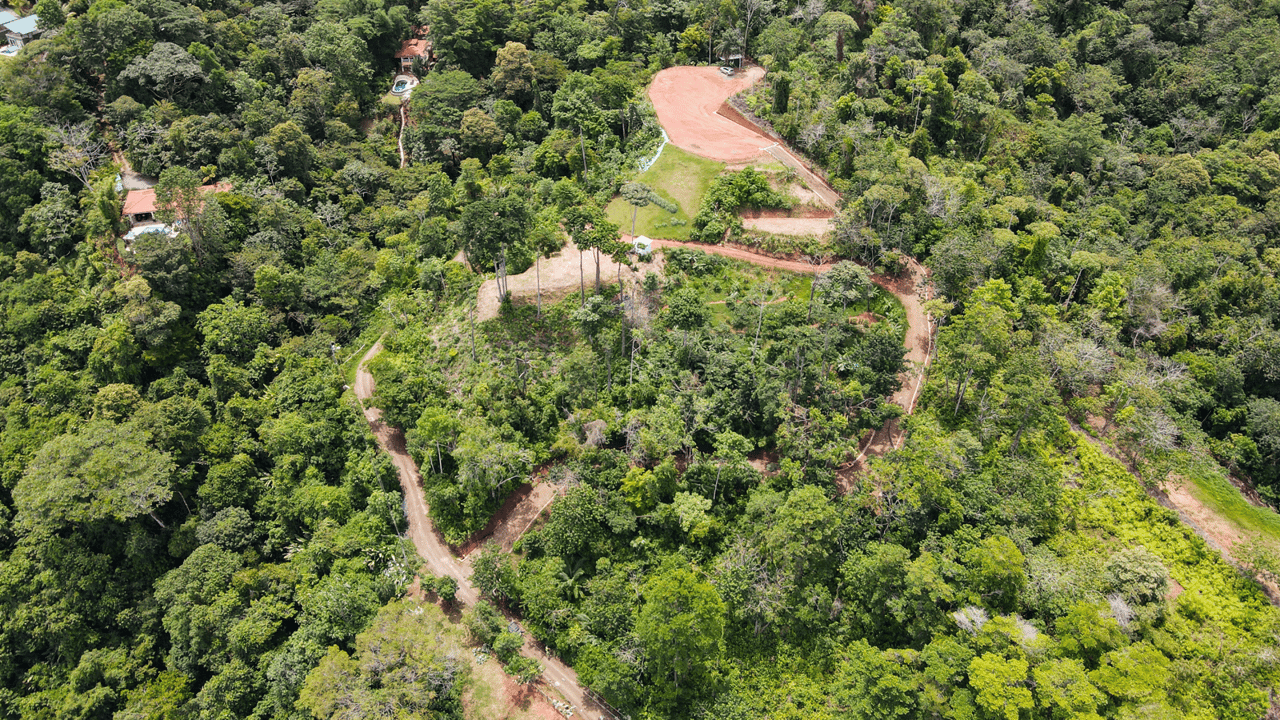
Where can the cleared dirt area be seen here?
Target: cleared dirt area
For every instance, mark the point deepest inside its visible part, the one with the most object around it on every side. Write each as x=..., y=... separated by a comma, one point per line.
x=789, y=226
x=686, y=100
x=689, y=103
x=515, y=516
x=559, y=278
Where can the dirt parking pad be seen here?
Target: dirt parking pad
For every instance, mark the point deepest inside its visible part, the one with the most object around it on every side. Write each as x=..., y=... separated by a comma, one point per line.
x=686, y=99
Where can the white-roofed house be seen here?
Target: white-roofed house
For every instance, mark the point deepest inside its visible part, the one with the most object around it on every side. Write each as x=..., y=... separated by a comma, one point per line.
x=19, y=32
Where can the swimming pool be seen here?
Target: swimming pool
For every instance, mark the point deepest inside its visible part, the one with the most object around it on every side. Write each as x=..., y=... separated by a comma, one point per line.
x=400, y=86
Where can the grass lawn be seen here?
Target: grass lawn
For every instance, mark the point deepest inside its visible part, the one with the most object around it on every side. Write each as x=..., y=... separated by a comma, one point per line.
x=678, y=176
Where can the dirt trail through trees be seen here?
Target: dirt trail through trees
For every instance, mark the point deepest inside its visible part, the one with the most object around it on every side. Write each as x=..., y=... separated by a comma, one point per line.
x=439, y=559
x=560, y=279
x=1218, y=532
x=908, y=288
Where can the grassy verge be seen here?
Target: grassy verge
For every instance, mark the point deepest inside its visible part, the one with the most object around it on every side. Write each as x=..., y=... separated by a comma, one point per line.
x=349, y=356
x=678, y=176
x=1210, y=486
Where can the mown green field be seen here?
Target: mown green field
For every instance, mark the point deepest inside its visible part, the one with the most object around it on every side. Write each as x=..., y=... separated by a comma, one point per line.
x=678, y=176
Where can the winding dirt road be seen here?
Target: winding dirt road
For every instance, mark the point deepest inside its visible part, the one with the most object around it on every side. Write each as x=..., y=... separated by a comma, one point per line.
x=439, y=559
x=911, y=289
x=908, y=288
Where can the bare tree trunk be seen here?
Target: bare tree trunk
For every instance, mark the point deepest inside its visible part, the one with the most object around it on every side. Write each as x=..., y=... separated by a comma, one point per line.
x=582, y=282
x=608, y=364
x=537, y=269
x=631, y=370
x=1022, y=425
x=759, y=325
x=961, y=389
x=596, y=252
x=1071, y=294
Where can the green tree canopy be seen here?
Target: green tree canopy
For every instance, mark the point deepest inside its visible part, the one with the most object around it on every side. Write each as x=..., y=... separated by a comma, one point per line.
x=103, y=471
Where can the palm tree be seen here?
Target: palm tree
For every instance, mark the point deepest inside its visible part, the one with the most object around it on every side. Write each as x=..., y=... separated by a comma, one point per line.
x=569, y=581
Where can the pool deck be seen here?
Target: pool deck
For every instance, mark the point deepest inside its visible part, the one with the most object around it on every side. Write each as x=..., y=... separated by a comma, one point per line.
x=409, y=79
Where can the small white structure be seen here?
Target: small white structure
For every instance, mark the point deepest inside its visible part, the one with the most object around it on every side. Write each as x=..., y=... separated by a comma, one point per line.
x=641, y=246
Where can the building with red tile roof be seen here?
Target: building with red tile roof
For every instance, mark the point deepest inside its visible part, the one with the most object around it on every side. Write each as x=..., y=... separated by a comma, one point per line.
x=417, y=46
x=140, y=205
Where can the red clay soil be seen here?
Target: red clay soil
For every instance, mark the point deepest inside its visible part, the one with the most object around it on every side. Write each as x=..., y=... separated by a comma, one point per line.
x=526, y=698
x=689, y=101
x=793, y=226
x=517, y=513
x=919, y=344
x=744, y=255
x=686, y=100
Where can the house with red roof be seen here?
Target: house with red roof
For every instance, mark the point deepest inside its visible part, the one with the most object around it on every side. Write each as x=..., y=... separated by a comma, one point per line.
x=140, y=205
x=416, y=47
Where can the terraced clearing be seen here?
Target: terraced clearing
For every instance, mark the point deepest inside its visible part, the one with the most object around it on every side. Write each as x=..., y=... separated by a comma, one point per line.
x=678, y=176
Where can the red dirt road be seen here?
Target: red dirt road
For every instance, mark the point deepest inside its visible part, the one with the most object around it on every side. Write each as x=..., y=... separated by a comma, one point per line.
x=744, y=255
x=686, y=100
x=439, y=559
x=919, y=331
x=919, y=344
x=918, y=341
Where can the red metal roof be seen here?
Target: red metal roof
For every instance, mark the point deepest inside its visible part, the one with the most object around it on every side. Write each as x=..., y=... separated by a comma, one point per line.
x=144, y=201
x=140, y=201
x=414, y=47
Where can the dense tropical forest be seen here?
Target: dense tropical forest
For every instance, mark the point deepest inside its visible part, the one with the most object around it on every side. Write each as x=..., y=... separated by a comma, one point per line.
x=196, y=521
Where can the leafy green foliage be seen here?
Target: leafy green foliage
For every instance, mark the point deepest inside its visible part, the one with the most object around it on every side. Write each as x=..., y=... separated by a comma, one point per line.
x=102, y=472
x=729, y=193
x=195, y=521
x=398, y=666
